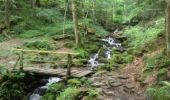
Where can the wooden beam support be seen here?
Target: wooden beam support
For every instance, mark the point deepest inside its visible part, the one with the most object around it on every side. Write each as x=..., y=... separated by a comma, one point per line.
x=68, y=74
x=21, y=60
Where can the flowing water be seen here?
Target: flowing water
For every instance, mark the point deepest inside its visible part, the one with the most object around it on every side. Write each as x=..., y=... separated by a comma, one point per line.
x=38, y=92
x=108, y=44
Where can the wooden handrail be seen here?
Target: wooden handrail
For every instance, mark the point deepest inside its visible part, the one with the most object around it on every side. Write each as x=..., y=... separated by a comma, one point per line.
x=40, y=51
x=69, y=58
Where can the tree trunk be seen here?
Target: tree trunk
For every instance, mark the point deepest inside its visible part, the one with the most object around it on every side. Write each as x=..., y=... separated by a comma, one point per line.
x=7, y=14
x=168, y=28
x=75, y=20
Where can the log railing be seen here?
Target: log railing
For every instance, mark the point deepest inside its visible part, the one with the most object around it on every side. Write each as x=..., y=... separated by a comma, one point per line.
x=22, y=51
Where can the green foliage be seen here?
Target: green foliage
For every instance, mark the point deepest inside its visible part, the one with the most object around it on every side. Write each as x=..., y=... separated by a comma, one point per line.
x=2, y=38
x=82, y=53
x=31, y=34
x=48, y=15
x=159, y=93
x=159, y=60
x=162, y=74
x=92, y=93
x=11, y=85
x=140, y=35
x=70, y=93
x=74, y=82
x=49, y=96
x=56, y=88
x=41, y=45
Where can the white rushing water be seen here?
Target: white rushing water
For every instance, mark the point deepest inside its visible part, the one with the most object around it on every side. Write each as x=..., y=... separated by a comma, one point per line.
x=109, y=44
x=36, y=95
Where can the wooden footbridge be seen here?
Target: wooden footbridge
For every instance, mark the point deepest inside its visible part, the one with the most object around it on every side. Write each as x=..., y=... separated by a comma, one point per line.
x=63, y=72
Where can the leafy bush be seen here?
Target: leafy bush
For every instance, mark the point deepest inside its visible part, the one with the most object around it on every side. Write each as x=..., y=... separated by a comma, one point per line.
x=159, y=93
x=56, y=88
x=45, y=45
x=140, y=35
x=159, y=60
x=74, y=82
x=11, y=85
x=70, y=93
x=31, y=34
x=48, y=15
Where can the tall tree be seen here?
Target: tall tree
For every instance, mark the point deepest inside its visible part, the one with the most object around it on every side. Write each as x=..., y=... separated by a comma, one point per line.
x=168, y=28
x=75, y=20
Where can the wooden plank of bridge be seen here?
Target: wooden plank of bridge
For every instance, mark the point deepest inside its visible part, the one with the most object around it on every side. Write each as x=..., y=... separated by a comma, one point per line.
x=58, y=71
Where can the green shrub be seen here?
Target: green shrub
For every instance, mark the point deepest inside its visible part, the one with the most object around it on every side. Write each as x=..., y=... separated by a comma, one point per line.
x=92, y=94
x=159, y=60
x=56, y=88
x=140, y=35
x=48, y=15
x=70, y=93
x=159, y=93
x=31, y=34
x=74, y=82
x=45, y=45
x=49, y=96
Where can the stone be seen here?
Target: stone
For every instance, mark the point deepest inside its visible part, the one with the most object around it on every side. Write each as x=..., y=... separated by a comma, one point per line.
x=129, y=90
x=108, y=92
x=97, y=84
x=123, y=77
x=113, y=80
x=99, y=90
x=129, y=86
x=116, y=84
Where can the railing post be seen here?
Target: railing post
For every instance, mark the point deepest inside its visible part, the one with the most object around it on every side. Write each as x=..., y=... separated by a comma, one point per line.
x=68, y=74
x=21, y=60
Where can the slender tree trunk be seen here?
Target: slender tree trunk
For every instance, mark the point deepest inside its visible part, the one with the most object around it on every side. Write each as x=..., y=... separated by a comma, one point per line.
x=32, y=3
x=75, y=20
x=168, y=28
x=65, y=15
x=7, y=14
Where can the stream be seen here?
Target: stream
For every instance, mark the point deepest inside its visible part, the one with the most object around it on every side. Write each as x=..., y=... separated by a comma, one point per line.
x=40, y=91
x=108, y=44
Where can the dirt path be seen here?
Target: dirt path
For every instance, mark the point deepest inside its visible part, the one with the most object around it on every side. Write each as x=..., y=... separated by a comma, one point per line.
x=120, y=85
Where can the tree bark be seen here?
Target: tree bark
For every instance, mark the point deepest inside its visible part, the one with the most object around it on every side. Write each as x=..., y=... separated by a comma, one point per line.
x=168, y=28
x=75, y=21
